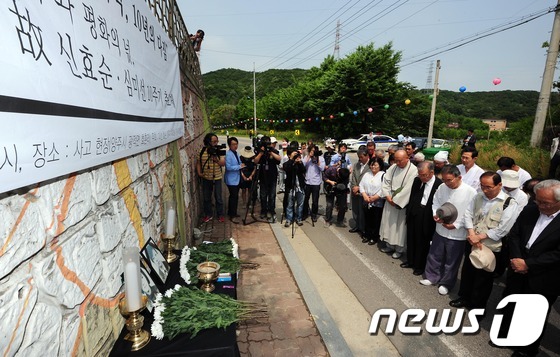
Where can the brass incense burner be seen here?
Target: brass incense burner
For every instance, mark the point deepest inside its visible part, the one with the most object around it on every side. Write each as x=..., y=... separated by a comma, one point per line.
x=207, y=273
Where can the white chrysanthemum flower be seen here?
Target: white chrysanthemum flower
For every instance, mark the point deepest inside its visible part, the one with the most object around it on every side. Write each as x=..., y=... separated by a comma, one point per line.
x=169, y=292
x=185, y=257
x=177, y=287
x=157, y=328
x=235, y=248
x=157, y=331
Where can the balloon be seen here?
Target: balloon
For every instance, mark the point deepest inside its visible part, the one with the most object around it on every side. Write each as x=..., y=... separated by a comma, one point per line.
x=497, y=81
x=309, y=119
x=431, y=96
x=296, y=120
x=462, y=89
x=355, y=112
x=331, y=116
x=317, y=119
x=370, y=110
x=407, y=102
x=386, y=106
x=291, y=120
x=341, y=114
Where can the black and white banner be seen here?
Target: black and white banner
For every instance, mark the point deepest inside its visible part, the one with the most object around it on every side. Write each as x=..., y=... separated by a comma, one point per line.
x=83, y=83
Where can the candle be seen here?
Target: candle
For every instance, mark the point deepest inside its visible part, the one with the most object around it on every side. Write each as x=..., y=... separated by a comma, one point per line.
x=132, y=278
x=170, y=226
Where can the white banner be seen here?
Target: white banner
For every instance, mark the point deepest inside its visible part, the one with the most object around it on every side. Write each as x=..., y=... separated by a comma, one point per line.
x=83, y=83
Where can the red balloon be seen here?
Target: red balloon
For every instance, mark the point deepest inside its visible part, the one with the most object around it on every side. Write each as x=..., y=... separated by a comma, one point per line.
x=370, y=110
x=331, y=116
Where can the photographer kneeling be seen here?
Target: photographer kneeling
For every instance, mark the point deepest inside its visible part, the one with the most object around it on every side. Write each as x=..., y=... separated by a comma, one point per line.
x=314, y=166
x=295, y=186
x=209, y=167
x=268, y=158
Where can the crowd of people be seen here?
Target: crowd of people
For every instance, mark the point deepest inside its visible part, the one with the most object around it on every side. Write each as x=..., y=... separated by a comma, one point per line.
x=433, y=215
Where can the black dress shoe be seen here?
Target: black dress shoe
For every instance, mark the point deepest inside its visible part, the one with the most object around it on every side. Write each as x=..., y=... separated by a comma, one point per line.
x=372, y=242
x=365, y=240
x=460, y=302
x=418, y=272
x=406, y=265
x=353, y=230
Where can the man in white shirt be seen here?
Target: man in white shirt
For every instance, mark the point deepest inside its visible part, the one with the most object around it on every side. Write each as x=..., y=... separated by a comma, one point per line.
x=507, y=163
x=470, y=171
x=510, y=185
x=448, y=243
x=488, y=219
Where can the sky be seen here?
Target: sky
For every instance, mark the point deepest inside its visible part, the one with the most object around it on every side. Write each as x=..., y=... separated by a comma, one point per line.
x=260, y=34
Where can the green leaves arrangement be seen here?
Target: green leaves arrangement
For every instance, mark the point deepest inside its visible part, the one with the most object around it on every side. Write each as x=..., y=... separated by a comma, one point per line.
x=228, y=264
x=190, y=310
x=223, y=247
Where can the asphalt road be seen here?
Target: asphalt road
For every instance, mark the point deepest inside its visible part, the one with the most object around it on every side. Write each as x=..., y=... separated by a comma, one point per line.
x=378, y=282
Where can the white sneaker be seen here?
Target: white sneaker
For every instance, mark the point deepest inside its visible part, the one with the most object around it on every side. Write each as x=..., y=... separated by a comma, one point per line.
x=396, y=255
x=425, y=282
x=442, y=290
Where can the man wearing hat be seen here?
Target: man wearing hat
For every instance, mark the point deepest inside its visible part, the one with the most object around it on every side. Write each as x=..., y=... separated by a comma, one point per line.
x=268, y=159
x=488, y=218
x=507, y=163
x=534, y=252
x=440, y=160
x=448, y=243
x=510, y=185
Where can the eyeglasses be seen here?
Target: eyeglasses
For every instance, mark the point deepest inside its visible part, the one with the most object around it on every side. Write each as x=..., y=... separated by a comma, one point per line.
x=484, y=188
x=426, y=175
x=449, y=180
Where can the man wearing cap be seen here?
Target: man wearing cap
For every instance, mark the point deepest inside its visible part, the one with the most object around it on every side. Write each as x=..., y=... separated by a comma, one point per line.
x=470, y=171
x=448, y=243
x=534, y=251
x=488, y=218
x=507, y=163
x=420, y=224
x=397, y=183
x=440, y=160
x=510, y=185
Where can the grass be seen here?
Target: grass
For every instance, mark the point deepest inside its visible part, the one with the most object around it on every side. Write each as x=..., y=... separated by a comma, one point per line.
x=534, y=160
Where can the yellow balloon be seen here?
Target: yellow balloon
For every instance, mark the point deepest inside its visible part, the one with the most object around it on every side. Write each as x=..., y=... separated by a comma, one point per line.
x=407, y=102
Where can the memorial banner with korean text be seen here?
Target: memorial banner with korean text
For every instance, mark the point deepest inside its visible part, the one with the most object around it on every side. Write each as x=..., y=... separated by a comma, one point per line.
x=83, y=83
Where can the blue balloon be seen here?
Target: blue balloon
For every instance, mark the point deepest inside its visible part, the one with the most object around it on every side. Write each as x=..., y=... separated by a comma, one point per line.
x=355, y=112
x=462, y=89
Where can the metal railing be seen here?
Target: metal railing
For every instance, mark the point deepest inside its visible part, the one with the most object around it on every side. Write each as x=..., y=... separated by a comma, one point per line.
x=170, y=18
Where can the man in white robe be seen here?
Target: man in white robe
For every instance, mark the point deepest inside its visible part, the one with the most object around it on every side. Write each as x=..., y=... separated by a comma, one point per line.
x=397, y=184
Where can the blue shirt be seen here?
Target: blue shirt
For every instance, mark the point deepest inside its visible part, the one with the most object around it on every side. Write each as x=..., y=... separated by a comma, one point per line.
x=336, y=158
x=233, y=166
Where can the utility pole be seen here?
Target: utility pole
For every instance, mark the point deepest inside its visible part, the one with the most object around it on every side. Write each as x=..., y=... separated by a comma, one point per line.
x=336, y=53
x=255, y=101
x=546, y=86
x=433, y=113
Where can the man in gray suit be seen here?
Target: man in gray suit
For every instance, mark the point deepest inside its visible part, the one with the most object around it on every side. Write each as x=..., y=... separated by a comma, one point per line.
x=358, y=171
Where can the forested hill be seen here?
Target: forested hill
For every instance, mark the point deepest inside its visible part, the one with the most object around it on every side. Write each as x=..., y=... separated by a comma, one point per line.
x=229, y=85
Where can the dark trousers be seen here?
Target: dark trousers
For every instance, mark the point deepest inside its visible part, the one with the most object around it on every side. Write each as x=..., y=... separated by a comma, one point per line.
x=267, y=186
x=357, y=202
x=372, y=217
x=417, y=242
x=313, y=192
x=476, y=284
x=339, y=200
x=209, y=187
x=233, y=200
x=519, y=284
x=554, y=163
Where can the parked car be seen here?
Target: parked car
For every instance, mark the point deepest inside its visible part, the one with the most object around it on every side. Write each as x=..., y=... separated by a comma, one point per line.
x=381, y=142
x=422, y=143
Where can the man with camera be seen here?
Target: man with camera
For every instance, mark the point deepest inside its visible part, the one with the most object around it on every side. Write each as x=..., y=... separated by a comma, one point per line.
x=295, y=186
x=209, y=168
x=268, y=158
x=336, y=188
x=314, y=165
x=340, y=158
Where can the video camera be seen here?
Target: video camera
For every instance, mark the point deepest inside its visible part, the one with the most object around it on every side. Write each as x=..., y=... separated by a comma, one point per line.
x=342, y=180
x=219, y=150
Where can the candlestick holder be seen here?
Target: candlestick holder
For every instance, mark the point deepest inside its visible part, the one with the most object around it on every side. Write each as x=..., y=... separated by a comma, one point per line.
x=134, y=323
x=169, y=241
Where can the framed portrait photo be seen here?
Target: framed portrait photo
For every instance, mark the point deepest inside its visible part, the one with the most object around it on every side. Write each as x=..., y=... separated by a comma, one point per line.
x=155, y=260
x=149, y=288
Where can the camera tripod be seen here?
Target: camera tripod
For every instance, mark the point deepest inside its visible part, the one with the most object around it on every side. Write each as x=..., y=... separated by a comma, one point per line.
x=252, y=199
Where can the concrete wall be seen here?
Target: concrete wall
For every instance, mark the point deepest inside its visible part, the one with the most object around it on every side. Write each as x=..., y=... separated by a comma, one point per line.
x=61, y=241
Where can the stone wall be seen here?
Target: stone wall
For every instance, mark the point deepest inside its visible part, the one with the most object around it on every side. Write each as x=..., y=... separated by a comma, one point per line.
x=61, y=241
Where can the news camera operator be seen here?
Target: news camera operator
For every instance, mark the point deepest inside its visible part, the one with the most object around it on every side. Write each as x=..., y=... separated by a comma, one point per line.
x=314, y=165
x=209, y=168
x=295, y=187
x=341, y=159
x=336, y=187
x=268, y=158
